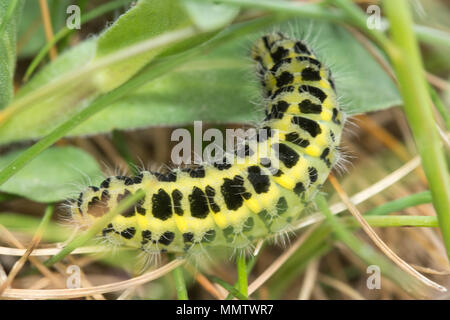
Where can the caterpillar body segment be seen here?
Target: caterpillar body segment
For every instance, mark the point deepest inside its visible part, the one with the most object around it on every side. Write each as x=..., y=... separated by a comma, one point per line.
x=247, y=195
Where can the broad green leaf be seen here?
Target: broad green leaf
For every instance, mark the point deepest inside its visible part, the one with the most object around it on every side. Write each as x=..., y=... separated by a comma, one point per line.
x=56, y=174
x=9, y=21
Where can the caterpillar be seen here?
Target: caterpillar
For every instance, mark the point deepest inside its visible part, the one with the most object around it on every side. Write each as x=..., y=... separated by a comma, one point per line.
x=233, y=204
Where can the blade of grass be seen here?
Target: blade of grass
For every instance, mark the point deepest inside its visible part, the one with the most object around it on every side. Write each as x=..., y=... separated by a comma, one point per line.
x=96, y=227
x=401, y=204
x=407, y=63
x=394, y=221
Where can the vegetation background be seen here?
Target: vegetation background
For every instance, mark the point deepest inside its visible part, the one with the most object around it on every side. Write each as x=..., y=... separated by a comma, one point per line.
x=77, y=105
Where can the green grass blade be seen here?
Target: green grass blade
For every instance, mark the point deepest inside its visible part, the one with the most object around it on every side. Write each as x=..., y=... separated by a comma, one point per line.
x=232, y=290
x=408, y=66
x=97, y=227
x=401, y=204
x=242, y=274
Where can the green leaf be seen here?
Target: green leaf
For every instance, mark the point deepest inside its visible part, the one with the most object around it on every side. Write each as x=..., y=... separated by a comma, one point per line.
x=10, y=12
x=147, y=19
x=56, y=174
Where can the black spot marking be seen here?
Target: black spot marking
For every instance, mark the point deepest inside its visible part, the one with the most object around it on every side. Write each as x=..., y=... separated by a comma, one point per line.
x=295, y=139
x=222, y=165
x=188, y=237
x=306, y=106
x=209, y=236
x=243, y=151
x=146, y=236
x=138, y=179
x=233, y=191
x=310, y=74
x=161, y=205
x=167, y=238
x=311, y=126
x=285, y=154
x=277, y=110
x=313, y=175
x=80, y=201
x=105, y=183
x=93, y=188
x=282, y=90
x=105, y=196
x=171, y=176
x=248, y=225
x=198, y=203
x=333, y=137
x=128, y=233
x=331, y=81
x=314, y=91
x=177, y=196
x=335, y=115
x=284, y=78
x=126, y=180
x=259, y=181
x=277, y=65
x=324, y=157
x=108, y=229
x=279, y=53
x=300, y=47
x=198, y=172
x=265, y=40
x=263, y=134
x=139, y=206
x=299, y=188
x=210, y=193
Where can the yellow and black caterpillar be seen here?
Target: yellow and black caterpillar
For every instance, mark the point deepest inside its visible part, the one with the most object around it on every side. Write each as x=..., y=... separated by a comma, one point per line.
x=232, y=204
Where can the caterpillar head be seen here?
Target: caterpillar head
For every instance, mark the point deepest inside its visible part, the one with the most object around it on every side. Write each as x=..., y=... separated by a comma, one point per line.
x=90, y=205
